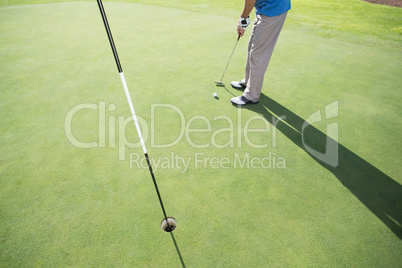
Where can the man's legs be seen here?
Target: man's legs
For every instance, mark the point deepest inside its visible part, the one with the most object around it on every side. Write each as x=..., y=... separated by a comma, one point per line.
x=262, y=42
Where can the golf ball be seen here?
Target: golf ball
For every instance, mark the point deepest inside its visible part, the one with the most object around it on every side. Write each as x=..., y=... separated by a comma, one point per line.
x=215, y=95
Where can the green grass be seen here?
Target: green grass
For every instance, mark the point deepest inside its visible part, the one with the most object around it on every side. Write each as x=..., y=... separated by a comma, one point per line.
x=65, y=206
x=347, y=20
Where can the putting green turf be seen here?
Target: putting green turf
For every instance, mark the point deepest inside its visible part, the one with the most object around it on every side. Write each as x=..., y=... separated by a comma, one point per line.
x=61, y=205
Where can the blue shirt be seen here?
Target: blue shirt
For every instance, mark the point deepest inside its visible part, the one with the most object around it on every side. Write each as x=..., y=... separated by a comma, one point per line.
x=272, y=8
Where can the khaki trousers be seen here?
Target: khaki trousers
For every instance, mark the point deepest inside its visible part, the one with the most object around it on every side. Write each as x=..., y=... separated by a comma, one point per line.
x=262, y=42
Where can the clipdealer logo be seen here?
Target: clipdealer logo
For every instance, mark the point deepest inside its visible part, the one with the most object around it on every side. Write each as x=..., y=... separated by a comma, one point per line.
x=331, y=154
x=107, y=125
x=221, y=138
x=203, y=161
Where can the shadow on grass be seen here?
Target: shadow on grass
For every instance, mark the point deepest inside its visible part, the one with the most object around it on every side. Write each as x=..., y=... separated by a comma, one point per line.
x=377, y=191
x=227, y=90
x=178, y=250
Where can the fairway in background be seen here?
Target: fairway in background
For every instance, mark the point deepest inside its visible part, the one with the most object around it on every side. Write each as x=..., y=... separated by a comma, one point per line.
x=347, y=20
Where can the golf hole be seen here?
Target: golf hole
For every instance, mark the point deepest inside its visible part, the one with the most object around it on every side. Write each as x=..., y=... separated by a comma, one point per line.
x=170, y=225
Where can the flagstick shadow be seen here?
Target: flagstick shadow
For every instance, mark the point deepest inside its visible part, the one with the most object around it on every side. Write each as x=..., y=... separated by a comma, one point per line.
x=178, y=250
x=377, y=191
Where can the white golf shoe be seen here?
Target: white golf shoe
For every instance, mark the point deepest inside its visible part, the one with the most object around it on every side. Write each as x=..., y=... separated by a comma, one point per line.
x=241, y=100
x=238, y=85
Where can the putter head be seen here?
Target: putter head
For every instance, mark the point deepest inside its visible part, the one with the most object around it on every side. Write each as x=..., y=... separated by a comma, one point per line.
x=219, y=83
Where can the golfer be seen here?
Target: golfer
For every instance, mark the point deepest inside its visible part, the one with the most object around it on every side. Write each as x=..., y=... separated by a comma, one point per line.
x=270, y=17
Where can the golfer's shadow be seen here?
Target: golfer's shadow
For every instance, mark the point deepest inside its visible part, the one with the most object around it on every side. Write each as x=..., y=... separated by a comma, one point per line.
x=377, y=191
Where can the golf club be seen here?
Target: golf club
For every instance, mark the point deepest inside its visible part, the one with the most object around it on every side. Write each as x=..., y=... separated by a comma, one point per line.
x=220, y=83
x=168, y=224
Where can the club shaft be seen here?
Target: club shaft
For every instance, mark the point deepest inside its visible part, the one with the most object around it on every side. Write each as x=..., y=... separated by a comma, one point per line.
x=230, y=58
x=130, y=103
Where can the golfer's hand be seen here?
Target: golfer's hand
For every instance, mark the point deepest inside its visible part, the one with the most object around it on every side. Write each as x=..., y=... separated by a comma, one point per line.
x=240, y=30
x=242, y=25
